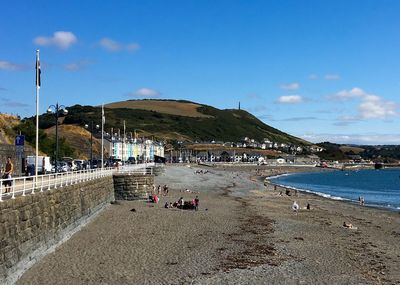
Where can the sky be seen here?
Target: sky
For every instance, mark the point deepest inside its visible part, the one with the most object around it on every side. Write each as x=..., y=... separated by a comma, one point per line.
x=319, y=70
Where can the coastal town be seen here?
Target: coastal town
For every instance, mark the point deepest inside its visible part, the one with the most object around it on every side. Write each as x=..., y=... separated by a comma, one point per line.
x=204, y=142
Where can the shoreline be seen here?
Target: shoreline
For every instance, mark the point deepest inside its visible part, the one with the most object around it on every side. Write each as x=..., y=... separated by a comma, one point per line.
x=321, y=194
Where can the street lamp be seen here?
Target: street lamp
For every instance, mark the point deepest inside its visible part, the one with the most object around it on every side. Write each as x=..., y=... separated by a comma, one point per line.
x=57, y=110
x=91, y=141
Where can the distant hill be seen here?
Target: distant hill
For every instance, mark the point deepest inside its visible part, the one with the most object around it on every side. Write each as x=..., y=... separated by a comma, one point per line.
x=176, y=120
x=167, y=120
x=380, y=153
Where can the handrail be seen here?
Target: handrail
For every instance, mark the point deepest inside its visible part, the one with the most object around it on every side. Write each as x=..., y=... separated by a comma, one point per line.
x=29, y=185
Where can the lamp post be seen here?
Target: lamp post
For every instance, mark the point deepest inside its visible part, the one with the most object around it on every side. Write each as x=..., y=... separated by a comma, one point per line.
x=57, y=110
x=91, y=141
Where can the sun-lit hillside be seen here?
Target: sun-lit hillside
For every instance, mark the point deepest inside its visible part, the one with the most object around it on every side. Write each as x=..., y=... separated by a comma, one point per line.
x=179, y=108
x=353, y=149
x=7, y=122
x=79, y=139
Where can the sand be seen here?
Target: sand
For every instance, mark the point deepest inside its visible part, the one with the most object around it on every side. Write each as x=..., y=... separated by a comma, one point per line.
x=243, y=233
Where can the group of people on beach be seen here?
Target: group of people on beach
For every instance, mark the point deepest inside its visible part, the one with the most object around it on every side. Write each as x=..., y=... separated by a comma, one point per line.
x=164, y=190
x=361, y=201
x=201, y=171
x=180, y=204
x=184, y=205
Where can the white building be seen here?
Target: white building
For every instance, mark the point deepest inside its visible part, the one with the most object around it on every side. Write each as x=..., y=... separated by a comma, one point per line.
x=139, y=150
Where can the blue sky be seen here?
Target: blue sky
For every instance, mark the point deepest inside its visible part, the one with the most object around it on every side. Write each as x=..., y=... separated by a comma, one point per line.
x=321, y=70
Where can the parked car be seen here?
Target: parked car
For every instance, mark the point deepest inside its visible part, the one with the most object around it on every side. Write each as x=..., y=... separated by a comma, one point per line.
x=71, y=163
x=62, y=166
x=131, y=160
x=80, y=164
x=94, y=164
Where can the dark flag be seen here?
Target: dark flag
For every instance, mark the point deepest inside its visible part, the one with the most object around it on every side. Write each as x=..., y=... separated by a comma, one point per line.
x=37, y=71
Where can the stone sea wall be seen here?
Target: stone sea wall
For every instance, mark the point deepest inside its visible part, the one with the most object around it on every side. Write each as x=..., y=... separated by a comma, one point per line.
x=32, y=226
x=133, y=186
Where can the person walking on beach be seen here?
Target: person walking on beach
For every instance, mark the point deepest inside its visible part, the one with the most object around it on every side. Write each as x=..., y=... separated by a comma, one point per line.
x=196, y=203
x=7, y=175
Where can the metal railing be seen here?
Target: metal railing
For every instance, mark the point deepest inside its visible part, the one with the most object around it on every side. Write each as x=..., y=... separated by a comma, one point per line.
x=26, y=185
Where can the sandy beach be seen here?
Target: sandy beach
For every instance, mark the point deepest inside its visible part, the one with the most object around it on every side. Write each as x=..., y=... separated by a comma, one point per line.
x=243, y=233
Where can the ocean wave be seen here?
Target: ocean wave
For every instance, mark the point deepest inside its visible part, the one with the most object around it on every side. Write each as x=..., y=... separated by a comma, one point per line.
x=337, y=198
x=277, y=176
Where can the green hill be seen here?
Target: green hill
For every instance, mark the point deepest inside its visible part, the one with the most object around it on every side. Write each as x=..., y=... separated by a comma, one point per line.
x=170, y=119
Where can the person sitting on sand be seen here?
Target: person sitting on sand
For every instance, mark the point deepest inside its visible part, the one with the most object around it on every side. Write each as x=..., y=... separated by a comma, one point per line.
x=155, y=199
x=181, y=202
x=166, y=206
x=295, y=207
x=349, y=226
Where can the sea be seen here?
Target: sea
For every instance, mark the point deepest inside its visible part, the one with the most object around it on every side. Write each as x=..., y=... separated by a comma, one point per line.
x=379, y=188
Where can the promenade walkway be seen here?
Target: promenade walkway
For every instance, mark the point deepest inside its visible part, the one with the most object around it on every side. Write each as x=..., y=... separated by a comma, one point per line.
x=27, y=185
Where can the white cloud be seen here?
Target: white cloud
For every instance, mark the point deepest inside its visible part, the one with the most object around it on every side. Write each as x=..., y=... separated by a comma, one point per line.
x=296, y=119
x=60, y=39
x=346, y=94
x=290, y=99
x=114, y=46
x=371, y=106
x=313, y=77
x=374, y=107
x=77, y=65
x=10, y=66
x=361, y=139
x=331, y=77
x=145, y=92
x=290, y=86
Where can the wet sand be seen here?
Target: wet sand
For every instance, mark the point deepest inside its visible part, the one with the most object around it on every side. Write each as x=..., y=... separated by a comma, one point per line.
x=243, y=233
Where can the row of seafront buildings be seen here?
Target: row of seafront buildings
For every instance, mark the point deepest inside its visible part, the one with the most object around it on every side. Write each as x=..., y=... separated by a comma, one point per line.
x=143, y=150
x=238, y=156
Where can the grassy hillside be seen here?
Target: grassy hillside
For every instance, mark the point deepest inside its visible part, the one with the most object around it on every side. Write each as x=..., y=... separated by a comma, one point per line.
x=78, y=139
x=190, y=121
x=180, y=108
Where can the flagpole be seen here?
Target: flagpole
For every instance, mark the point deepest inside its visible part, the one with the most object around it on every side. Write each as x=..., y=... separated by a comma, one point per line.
x=37, y=112
x=102, y=135
x=123, y=145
